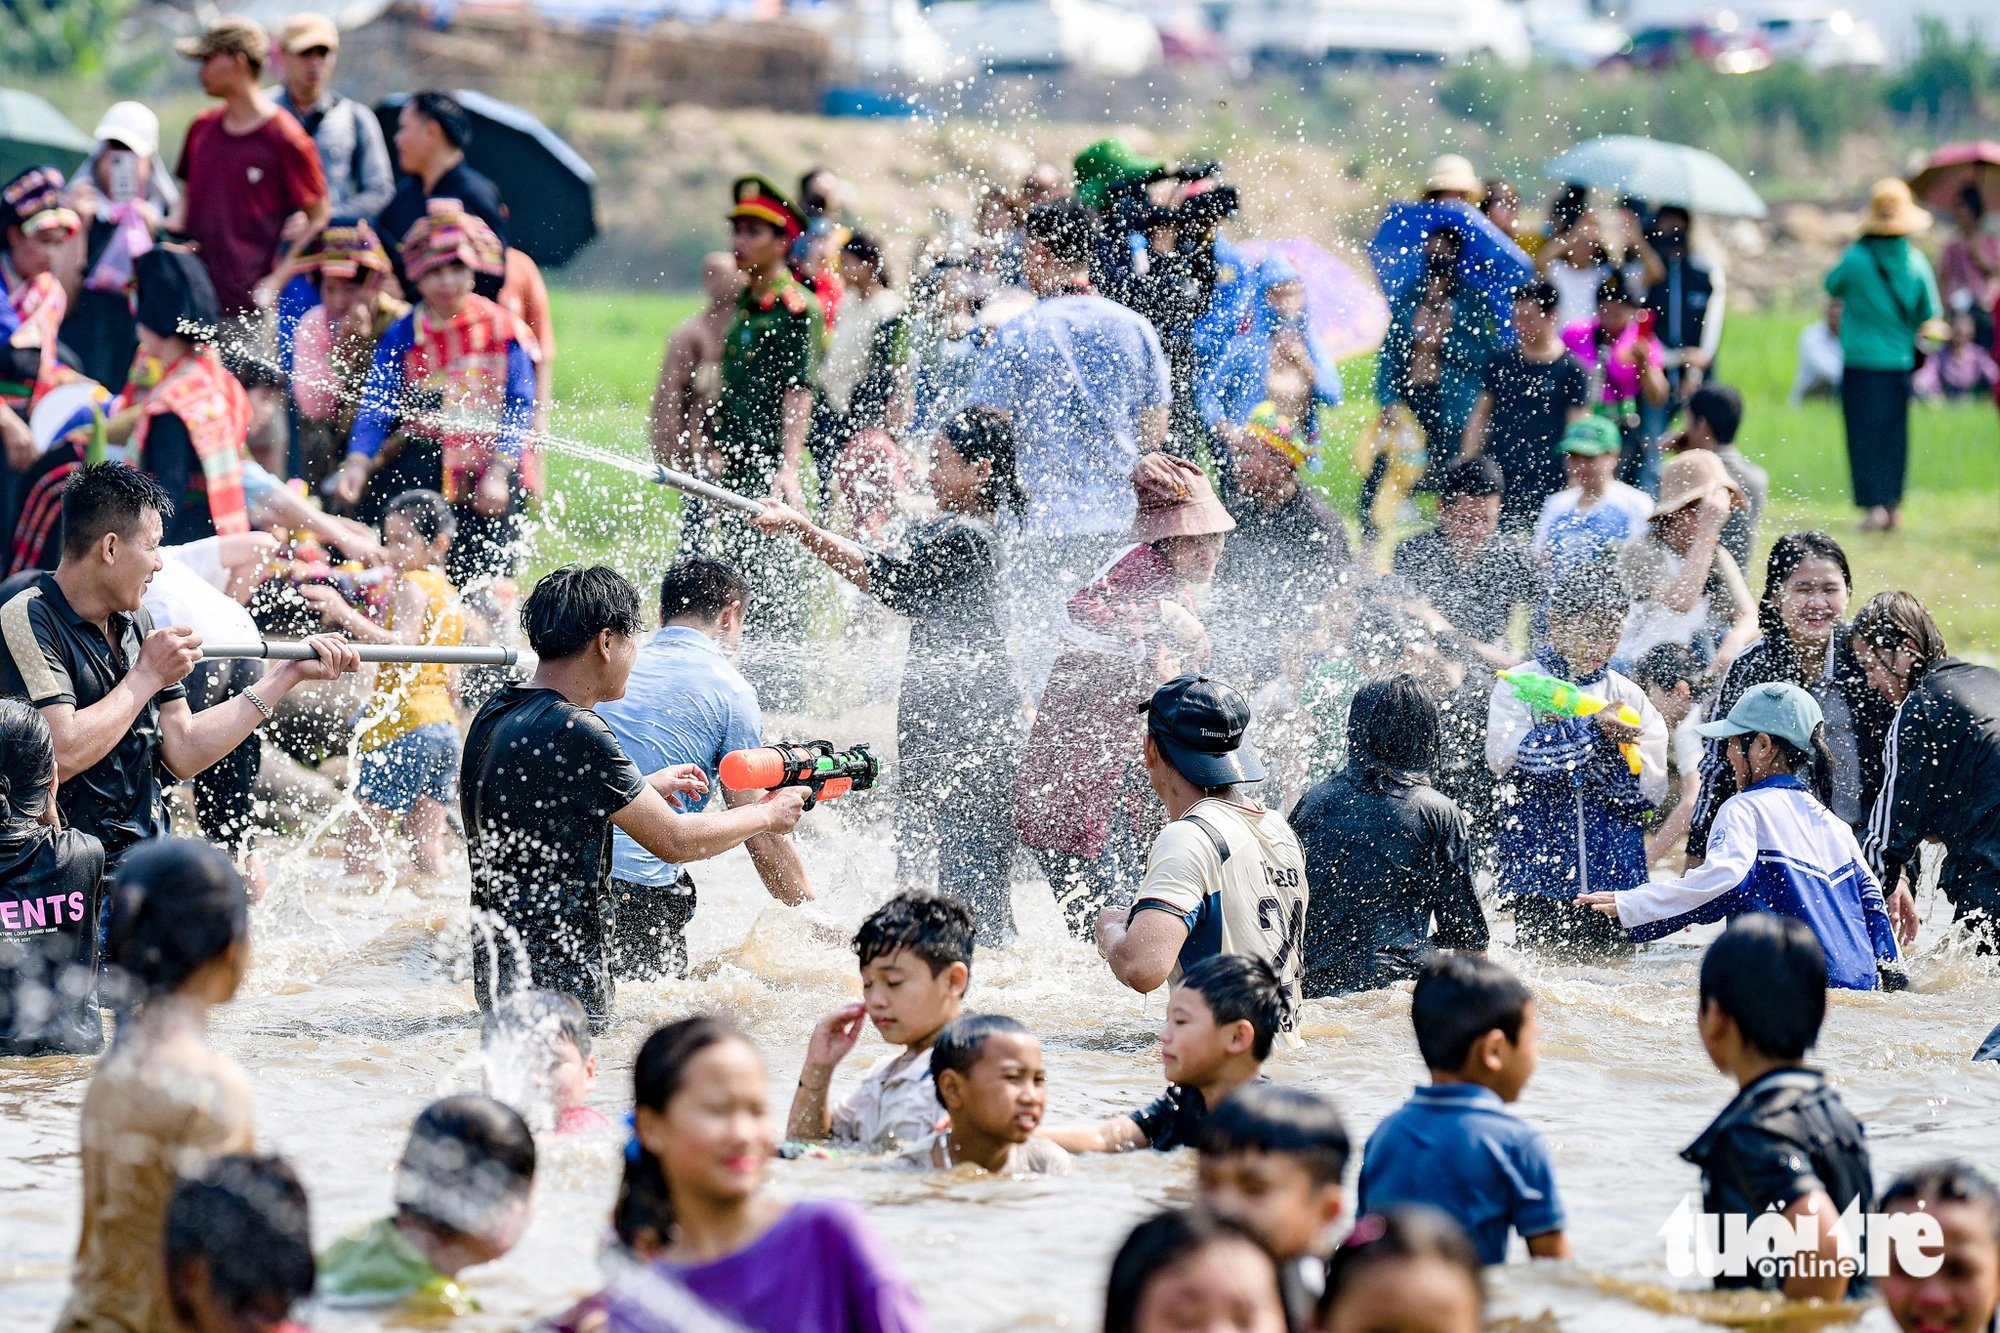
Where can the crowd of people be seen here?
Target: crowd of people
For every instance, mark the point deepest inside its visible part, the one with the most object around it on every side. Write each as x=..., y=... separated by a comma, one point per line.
x=296, y=386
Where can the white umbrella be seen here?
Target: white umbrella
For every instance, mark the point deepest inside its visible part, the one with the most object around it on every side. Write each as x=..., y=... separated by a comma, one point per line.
x=1659, y=173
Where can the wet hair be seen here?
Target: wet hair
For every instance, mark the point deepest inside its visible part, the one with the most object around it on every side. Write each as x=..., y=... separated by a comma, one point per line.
x=1542, y=292
x=1768, y=974
x=1666, y=665
x=1787, y=554
x=571, y=606
x=1163, y=1242
x=1241, y=989
x=443, y=110
x=1947, y=1181
x=27, y=760
x=176, y=903
x=1893, y=620
x=703, y=588
x=1721, y=407
x=1471, y=478
x=428, y=514
x=107, y=498
x=468, y=1158
x=1066, y=227
x=1611, y=290
x=1274, y=1118
x=868, y=250
x=645, y=1201
x=1591, y=588
x=963, y=1041
x=986, y=434
x=247, y=1220
x=539, y=1016
x=1397, y=1235
x=1459, y=999
x=936, y=927
x=1393, y=732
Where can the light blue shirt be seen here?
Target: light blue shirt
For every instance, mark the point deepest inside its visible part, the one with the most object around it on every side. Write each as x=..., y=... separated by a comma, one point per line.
x=1075, y=372
x=685, y=704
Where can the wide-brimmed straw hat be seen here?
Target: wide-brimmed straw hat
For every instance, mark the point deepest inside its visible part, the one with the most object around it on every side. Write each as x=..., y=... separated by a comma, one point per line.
x=1893, y=211
x=1182, y=504
x=1690, y=477
x=1453, y=174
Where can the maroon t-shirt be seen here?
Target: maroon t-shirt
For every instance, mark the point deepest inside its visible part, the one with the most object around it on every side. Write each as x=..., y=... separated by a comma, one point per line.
x=240, y=189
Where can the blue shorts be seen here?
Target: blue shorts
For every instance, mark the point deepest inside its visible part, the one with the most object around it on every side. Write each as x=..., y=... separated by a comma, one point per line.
x=418, y=763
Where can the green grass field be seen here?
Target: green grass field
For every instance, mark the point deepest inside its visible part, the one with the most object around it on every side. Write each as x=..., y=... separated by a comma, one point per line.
x=1947, y=553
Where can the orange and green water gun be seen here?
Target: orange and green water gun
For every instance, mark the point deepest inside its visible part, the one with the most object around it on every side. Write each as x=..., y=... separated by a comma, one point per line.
x=1546, y=694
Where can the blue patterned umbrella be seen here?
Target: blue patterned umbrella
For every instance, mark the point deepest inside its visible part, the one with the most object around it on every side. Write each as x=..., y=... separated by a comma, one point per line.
x=1659, y=173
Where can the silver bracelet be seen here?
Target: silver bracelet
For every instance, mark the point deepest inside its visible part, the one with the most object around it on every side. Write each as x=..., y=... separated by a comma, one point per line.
x=262, y=707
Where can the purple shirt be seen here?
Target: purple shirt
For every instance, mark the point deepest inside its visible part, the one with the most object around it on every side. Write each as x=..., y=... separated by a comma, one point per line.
x=819, y=1269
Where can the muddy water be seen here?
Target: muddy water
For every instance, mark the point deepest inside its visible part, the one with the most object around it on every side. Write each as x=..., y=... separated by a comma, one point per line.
x=353, y=1018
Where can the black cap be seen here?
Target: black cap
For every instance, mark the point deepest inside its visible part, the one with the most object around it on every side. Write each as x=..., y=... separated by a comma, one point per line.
x=1198, y=724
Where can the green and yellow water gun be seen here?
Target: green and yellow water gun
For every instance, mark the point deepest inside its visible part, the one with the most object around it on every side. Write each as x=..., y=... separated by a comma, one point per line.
x=1546, y=694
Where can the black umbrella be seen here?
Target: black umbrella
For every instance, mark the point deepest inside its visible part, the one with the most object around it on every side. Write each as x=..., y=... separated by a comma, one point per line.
x=547, y=186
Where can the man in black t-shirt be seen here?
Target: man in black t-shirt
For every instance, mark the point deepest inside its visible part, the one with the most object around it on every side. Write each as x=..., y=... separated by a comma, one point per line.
x=542, y=783
x=1472, y=573
x=1533, y=390
x=432, y=132
x=78, y=646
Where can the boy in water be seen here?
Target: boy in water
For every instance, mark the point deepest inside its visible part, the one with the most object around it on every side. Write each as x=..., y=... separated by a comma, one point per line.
x=239, y=1247
x=990, y=1080
x=536, y=1048
x=1569, y=805
x=1786, y=1142
x=1221, y=1020
x=1272, y=1158
x=462, y=1192
x=1453, y=1146
x=916, y=961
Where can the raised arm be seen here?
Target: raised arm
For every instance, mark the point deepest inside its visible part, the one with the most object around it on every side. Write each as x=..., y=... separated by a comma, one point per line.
x=777, y=859
x=678, y=839
x=191, y=742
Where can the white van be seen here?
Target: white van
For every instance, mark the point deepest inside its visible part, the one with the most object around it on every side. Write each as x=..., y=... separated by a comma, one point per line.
x=1442, y=31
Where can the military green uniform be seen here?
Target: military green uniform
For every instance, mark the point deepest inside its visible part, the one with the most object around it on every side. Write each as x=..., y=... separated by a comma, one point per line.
x=773, y=346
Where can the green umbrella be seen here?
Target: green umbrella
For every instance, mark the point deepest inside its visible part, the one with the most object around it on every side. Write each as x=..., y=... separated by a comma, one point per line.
x=1659, y=173
x=35, y=134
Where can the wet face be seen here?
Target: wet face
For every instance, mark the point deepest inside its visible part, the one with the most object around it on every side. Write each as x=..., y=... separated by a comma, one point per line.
x=715, y=1134
x=1962, y=1295
x=1227, y=1286
x=1470, y=520
x=446, y=288
x=1271, y=1193
x=1005, y=1092
x=1534, y=323
x=135, y=558
x=959, y=486
x=1887, y=670
x=572, y=1076
x=1261, y=471
x=906, y=1001
x=1674, y=704
x=1812, y=600
x=1193, y=1046
x=406, y=546
x=1592, y=472
x=1415, y=1295
x=1193, y=559
x=620, y=652
x=1586, y=642
x=758, y=246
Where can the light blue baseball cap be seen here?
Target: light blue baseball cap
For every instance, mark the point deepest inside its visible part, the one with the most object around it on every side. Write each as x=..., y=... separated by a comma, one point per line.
x=1776, y=708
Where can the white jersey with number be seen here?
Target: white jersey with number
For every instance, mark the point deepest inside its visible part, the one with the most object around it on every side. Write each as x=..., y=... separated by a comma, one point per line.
x=1251, y=901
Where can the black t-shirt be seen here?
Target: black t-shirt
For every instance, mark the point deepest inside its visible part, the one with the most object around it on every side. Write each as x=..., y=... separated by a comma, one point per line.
x=471, y=188
x=54, y=656
x=1175, y=1118
x=538, y=784
x=1531, y=405
x=1479, y=599
x=50, y=883
x=1784, y=1136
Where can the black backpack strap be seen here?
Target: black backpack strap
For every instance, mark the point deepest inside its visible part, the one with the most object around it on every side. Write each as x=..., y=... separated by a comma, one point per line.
x=1214, y=834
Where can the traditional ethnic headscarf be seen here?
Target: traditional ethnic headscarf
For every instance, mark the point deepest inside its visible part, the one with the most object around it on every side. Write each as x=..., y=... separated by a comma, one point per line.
x=33, y=201
x=176, y=298
x=447, y=234
x=347, y=249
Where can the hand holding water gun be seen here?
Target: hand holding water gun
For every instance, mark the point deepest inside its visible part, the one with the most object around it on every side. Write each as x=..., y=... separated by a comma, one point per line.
x=1546, y=694
x=826, y=774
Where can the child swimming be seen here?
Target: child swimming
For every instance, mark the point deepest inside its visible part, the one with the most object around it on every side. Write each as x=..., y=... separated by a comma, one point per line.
x=536, y=1049
x=462, y=1191
x=916, y=961
x=1453, y=1146
x=990, y=1080
x=163, y=1102
x=1221, y=1020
